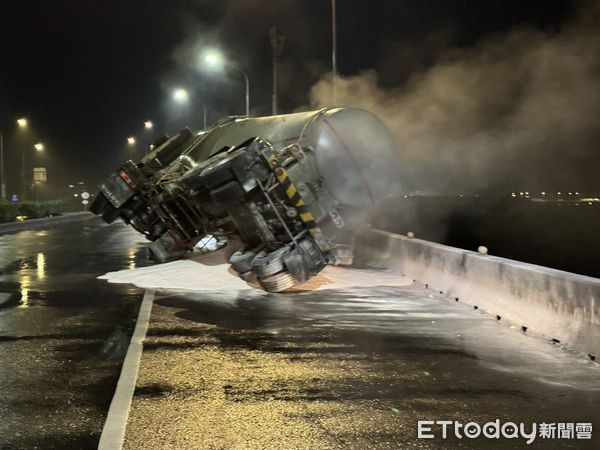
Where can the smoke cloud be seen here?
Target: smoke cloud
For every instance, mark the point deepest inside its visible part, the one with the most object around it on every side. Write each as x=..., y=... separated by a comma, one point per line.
x=516, y=111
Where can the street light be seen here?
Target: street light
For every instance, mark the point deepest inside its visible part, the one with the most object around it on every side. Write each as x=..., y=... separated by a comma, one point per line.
x=22, y=123
x=148, y=125
x=39, y=147
x=131, y=140
x=215, y=60
x=180, y=96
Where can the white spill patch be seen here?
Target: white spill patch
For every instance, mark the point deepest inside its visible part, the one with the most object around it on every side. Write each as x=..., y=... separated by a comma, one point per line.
x=206, y=274
x=185, y=275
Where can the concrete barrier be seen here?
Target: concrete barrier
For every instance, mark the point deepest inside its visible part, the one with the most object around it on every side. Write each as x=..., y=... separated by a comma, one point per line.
x=556, y=305
x=32, y=224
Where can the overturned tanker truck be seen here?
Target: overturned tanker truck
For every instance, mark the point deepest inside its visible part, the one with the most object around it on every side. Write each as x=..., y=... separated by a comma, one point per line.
x=294, y=188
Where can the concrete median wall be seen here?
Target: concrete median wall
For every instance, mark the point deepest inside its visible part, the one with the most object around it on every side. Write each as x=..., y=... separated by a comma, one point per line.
x=550, y=303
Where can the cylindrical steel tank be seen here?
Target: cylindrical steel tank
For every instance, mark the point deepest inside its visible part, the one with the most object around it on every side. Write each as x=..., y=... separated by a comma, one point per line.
x=354, y=150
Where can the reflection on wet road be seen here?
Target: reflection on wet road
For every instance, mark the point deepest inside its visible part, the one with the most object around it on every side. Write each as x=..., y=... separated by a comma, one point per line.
x=396, y=319
x=63, y=333
x=345, y=368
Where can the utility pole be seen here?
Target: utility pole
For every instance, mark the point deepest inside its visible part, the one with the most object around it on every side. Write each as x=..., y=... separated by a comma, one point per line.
x=277, y=40
x=333, y=50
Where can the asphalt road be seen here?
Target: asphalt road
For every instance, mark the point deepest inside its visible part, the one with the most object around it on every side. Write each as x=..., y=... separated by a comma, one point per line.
x=336, y=368
x=63, y=333
x=348, y=368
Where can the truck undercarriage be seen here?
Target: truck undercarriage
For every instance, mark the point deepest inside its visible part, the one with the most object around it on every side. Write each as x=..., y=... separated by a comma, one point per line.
x=273, y=197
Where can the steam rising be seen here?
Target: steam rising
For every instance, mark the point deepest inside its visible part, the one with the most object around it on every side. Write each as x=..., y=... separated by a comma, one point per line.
x=524, y=102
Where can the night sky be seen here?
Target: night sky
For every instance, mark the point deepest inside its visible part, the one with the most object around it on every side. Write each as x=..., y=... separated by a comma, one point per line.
x=87, y=74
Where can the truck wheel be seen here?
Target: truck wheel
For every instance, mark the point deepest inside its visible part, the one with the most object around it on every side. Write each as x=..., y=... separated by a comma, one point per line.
x=266, y=264
x=278, y=282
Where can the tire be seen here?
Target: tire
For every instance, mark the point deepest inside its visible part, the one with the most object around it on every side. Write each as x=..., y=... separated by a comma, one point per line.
x=278, y=282
x=266, y=264
x=226, y=193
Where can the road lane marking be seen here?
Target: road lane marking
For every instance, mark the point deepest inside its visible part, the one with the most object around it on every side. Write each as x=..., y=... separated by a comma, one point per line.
x=113, y=432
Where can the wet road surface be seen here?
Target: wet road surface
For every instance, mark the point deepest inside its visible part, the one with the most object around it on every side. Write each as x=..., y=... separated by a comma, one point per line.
x=346, y=369
x=339, y=368
x=63, y=333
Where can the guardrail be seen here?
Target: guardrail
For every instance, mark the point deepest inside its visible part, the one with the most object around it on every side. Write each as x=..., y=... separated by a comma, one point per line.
x=560, y=306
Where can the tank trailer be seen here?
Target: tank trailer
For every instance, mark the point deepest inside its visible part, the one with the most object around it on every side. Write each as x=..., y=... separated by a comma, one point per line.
x=293, y=188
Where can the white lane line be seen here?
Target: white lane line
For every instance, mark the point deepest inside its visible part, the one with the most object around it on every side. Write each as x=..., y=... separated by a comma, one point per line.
x=113, y=432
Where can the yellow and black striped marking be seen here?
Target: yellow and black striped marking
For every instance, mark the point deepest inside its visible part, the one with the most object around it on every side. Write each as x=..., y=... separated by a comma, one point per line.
x=305, y=215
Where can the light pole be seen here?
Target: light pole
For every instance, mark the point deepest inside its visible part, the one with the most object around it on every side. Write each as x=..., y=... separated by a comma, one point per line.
x=132, y=144
x=277, y=40
x=181, y=96
x=247, y=87
x=214, y=60
x=22, y=123
x=39, y=147
x=148, y=126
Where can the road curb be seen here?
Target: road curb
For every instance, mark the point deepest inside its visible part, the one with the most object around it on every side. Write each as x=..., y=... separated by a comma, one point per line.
x=113, y=432
x=40, y=223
